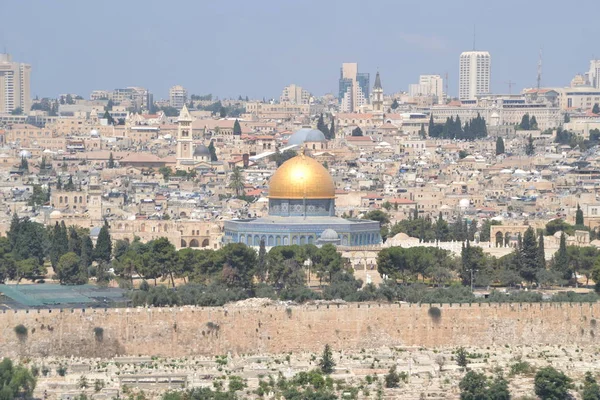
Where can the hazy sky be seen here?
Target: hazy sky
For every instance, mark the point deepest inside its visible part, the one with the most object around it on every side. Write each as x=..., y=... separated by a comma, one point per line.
x=257, y=47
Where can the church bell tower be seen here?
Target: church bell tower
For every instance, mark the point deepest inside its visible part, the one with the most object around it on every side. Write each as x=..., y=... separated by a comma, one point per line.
x=185, y=144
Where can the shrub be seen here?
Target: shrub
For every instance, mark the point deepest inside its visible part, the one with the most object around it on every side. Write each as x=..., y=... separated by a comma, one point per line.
x=521, y=368
x=61, y=370
x=461, y=357
x=392, y=379
x=435, y=314
x=98, y=333
x=21, y=331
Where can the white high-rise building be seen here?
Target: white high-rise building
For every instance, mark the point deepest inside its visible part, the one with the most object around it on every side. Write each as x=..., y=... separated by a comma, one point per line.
x=594, y=74
x=474, y=74
x=14, y=85
x=429, y=85
x=294, y=94
x=177, y=97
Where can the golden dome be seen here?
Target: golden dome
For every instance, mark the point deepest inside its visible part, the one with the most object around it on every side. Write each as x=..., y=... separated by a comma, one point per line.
x=301, y=177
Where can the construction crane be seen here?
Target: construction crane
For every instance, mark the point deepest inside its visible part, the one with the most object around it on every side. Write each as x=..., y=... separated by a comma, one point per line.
x=510, y=85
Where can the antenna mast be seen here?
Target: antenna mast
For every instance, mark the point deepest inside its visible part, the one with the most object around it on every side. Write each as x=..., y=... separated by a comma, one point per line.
x=473, y=37
x=446, y=94
x=539, y=71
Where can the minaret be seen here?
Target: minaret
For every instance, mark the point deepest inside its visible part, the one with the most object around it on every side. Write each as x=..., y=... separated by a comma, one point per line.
x=377, y=100
x=185, y=145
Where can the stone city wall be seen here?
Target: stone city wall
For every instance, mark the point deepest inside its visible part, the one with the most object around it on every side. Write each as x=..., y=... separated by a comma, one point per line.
x=176, y=332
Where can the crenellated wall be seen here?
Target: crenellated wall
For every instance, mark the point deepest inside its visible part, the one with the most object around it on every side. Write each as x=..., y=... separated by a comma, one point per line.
x=176, y=332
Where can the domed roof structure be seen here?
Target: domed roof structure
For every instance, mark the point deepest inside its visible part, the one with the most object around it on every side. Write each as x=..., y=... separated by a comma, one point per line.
x=329, y=234
x=306, y=135
x=301, y=177
x=201, y=150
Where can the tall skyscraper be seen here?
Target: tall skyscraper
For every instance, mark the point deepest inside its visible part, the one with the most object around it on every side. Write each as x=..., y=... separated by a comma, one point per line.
x=594, y=74
x=14, y=85
x=474, y=74
x=353, y=88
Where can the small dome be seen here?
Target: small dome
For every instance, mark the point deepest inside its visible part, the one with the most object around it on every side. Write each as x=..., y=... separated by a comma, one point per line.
x=306, y=135
x=93, y=132
x=55, y=214
x=329, y=234
x=201, y=150
x=25, y=154
x=464, y=203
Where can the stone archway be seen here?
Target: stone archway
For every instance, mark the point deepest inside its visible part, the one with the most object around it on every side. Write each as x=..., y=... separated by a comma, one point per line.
x=183, y=243
x=503, y=234
x=194, y=243
x=205, y=243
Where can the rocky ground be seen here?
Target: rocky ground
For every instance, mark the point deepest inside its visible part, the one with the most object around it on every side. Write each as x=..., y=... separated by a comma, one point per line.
x=432, y=373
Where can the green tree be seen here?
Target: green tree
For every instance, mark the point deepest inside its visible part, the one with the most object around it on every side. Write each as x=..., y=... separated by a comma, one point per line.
x=499, y=146
x=530, y=148
x=261, y=265
x=17, y=111
x=237, y=128
x=541, y=252
x=529, y=256
x=579, y=216
x=166, y=172
x=59, y=243
x=69, y=185
x=473, y=386
x=524, y=125
x=596, y=108
x=422, y=132
x=395, y=104
x=327, y=262
x=550, y=384
x=16, y=382
x=24, y=165
x=326, y=362
x=332, y=129
x=69, y=270
x=103, y=249
x=87, y=251
x=236, y=181
x=462, y=357
x=591, y=389
x=560, y=263
x=392, y=379
x=213, y=151
x=322, y=126
x=567, y=118
x=111, y=161
x=357, y=132
x=223, y=114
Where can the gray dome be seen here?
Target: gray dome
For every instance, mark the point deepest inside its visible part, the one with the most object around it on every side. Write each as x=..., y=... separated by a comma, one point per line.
x=201, y=150
x=329, y=234
x=306, y=135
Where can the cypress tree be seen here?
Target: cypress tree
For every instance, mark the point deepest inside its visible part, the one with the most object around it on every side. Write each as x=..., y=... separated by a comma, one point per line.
x=499, y=146
x=529, y=255
x=213, y=151
x=237, y=128
x=533, y=125
x=74, y=244
x=103, y=249
x=111, y=160
x=332, y=129
x=561, y=259
x=530, y=148
x=579, y=216
x=541, y=254
x=58, y=244
x=524, y=125
x=87, y=250
x=596, y=108
x=430, y=130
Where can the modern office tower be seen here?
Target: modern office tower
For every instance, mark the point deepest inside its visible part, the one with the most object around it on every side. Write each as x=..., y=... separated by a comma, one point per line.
x=177, y=96
x=474, y=74
x=294, y=94
x=353, y=88
x=14, y=85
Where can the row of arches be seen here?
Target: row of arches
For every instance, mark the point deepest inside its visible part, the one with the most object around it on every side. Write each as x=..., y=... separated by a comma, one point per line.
x=194, y=243
x=65, y=199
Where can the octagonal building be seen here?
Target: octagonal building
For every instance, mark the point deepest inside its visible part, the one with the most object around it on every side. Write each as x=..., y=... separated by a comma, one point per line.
x=301, y=209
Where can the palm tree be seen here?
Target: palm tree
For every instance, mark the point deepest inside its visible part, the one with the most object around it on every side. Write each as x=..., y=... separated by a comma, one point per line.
x=236, y=181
